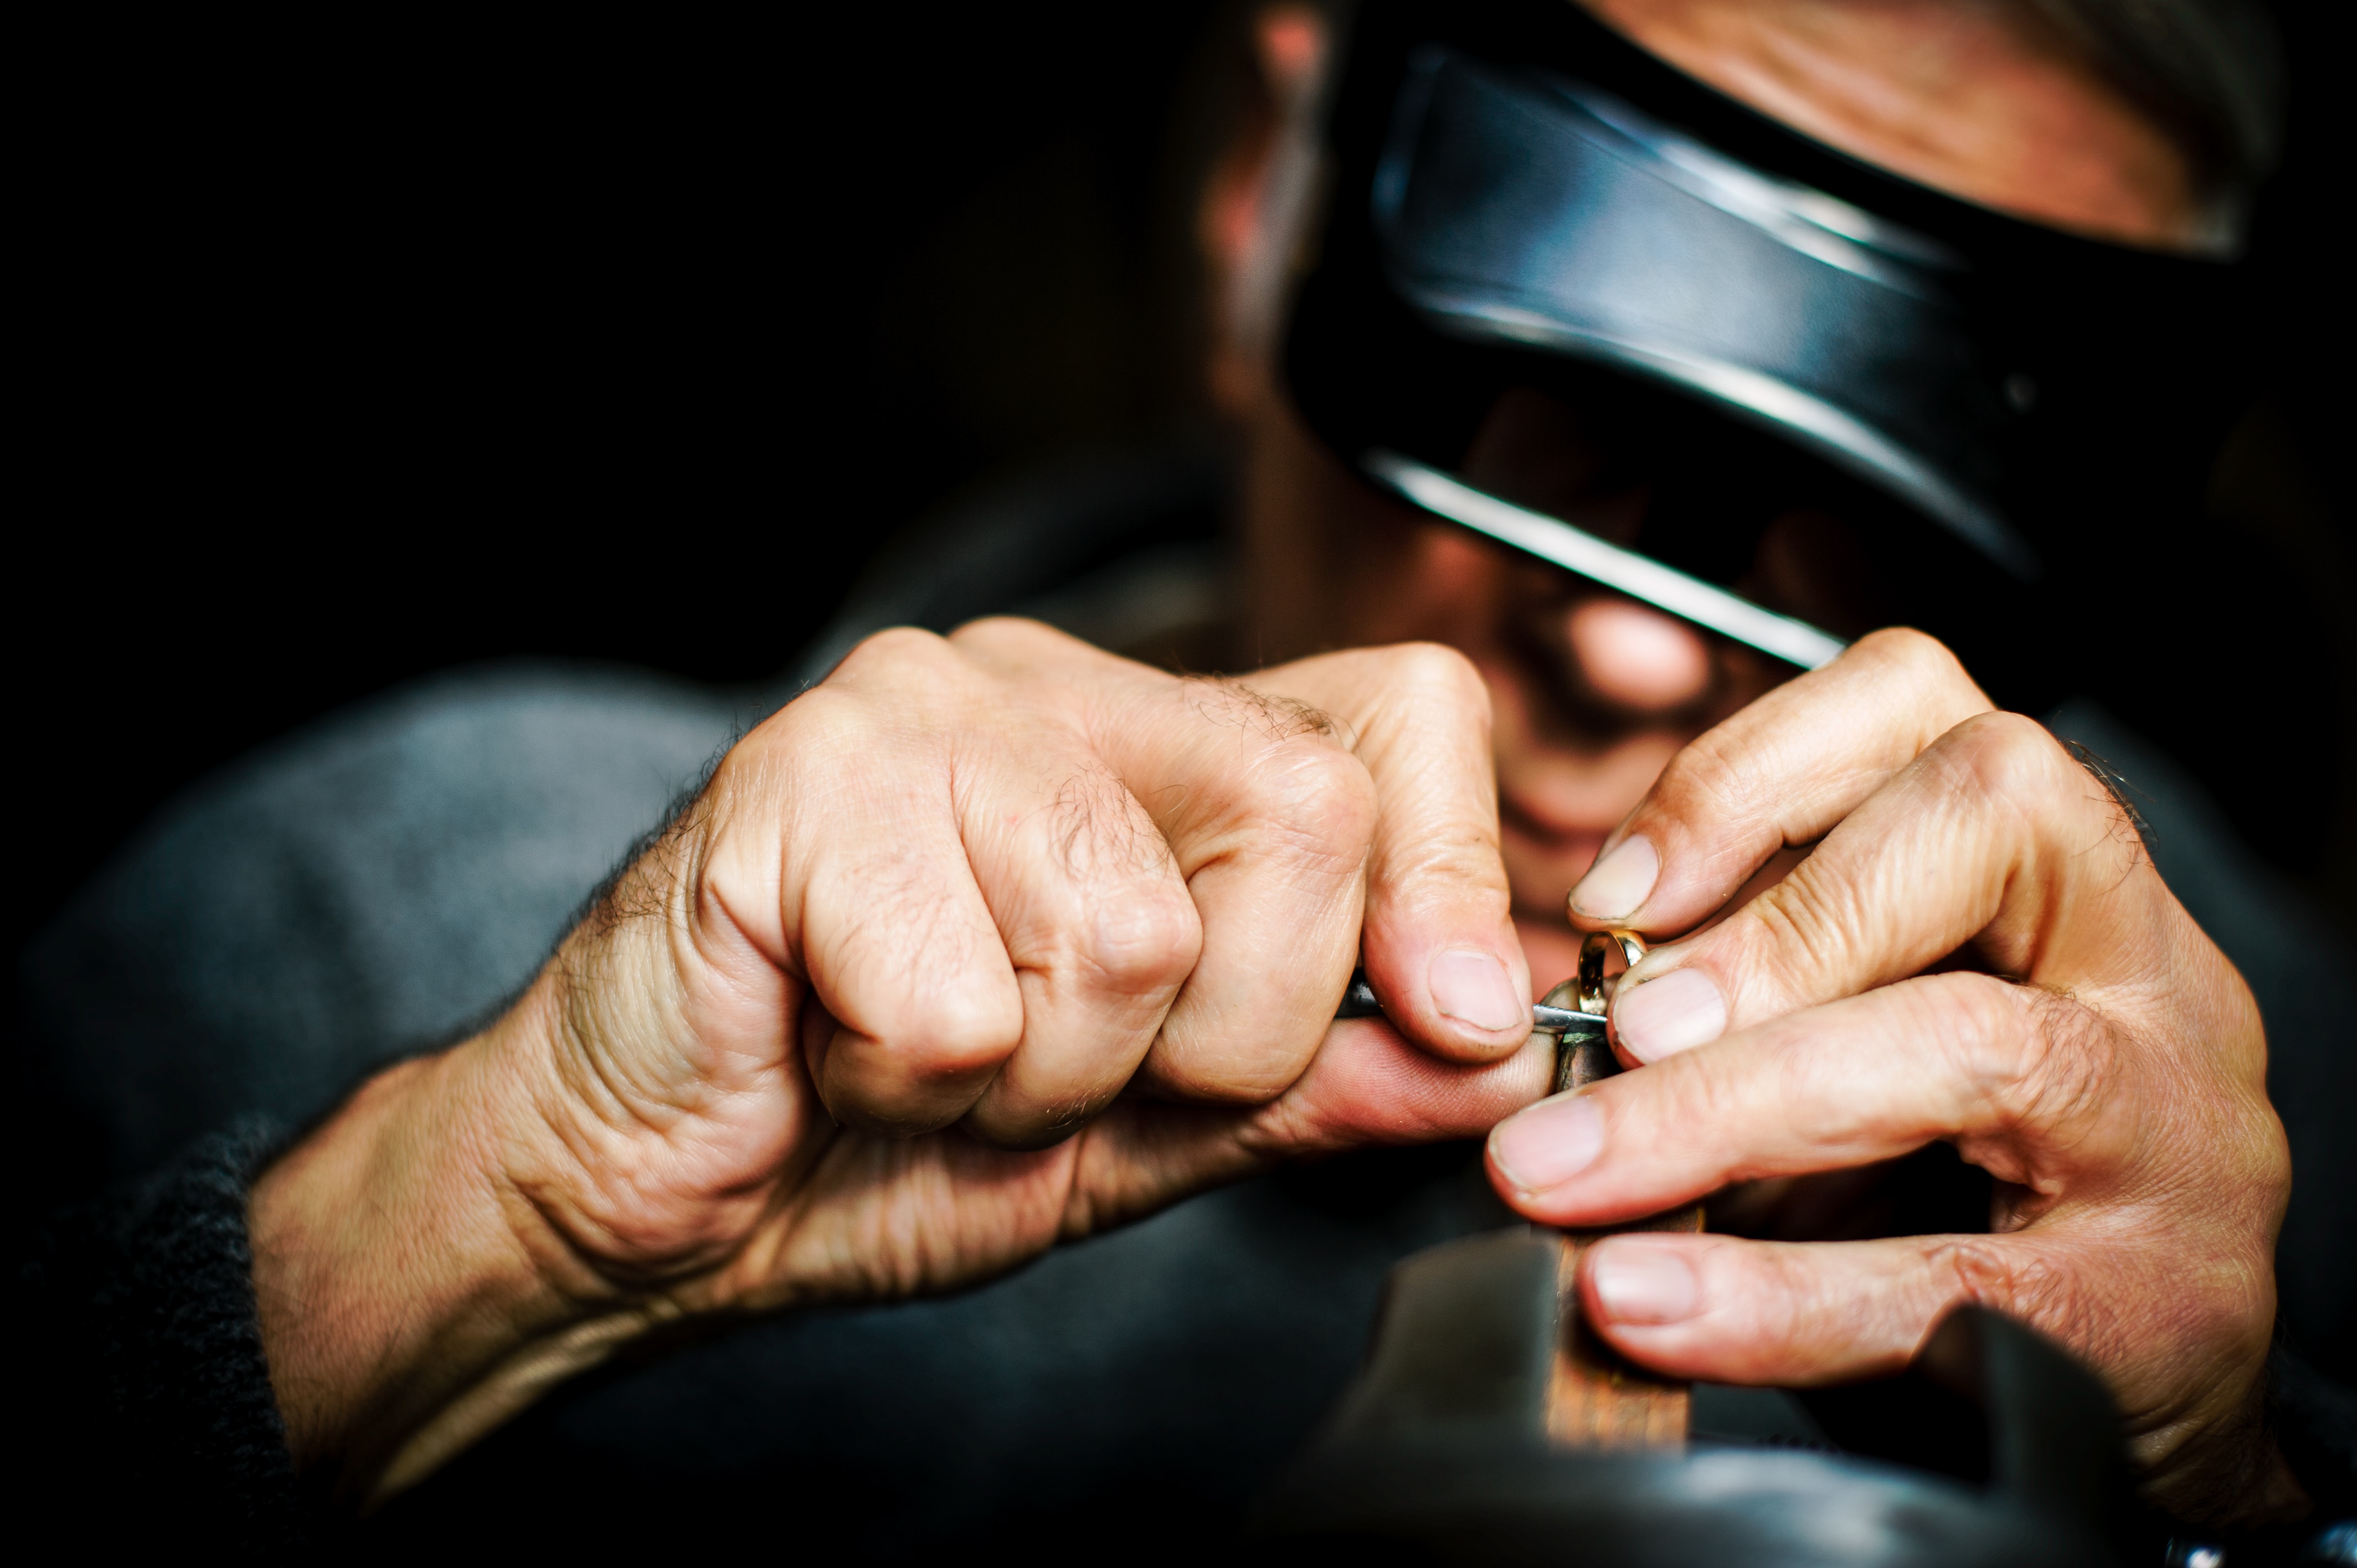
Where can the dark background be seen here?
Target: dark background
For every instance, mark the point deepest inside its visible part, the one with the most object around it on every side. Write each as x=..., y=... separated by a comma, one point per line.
x=359, y=350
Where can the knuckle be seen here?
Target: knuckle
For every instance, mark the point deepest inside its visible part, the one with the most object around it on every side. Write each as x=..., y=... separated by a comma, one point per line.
x=2004, y=757
x=2034, y=1061
x=1314, y=795
x=953, y=1044
x=2066, y=1059
x=1130, y=923
x=810, y=726
x=1145, y=942
x=1974, y=1023
x=1708, y=1089
x=1810, y=926
x=1712, y=784
x=2034, y=1283
x=1919, y=658
x=1436, y=674
x=1458, y=868
x=1712, y=778
x=1011, y=635
x=896, y=650
x=1991, y=1270
x=1120, y=916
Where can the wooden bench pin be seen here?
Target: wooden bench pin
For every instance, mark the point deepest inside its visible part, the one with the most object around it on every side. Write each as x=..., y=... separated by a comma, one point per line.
x=1597, y=1398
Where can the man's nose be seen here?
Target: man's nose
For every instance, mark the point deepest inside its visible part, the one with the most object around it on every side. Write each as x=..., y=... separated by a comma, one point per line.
x=1637, y=657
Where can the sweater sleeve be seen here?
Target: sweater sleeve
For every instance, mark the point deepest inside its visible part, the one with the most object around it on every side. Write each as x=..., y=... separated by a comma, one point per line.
x=143, y=1371
x=2315, y=1420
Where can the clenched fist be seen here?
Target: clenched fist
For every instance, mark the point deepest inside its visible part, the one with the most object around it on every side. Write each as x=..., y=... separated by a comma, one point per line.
x=981, y=944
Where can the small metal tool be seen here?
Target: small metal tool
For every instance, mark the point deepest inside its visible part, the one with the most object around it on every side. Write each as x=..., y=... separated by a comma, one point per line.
x=1579, y=1024
x=1358, y=1002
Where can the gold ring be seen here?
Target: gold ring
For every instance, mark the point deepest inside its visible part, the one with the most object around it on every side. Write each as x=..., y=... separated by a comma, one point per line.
x=1592, y=950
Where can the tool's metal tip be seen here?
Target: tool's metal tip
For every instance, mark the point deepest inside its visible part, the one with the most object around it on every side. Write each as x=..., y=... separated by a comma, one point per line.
x=1358, y=1002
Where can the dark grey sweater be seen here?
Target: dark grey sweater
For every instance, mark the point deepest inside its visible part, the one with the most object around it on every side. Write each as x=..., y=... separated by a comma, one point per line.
x=146, y=1411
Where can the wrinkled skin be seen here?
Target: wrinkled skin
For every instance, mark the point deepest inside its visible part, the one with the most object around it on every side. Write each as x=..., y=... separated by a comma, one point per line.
x=2096, y=1054
x=987, y=943
x=2106, y=1064
x=993, y=941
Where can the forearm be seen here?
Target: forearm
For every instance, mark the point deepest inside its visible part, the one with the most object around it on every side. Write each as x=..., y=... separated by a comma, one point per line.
x=401, y=1273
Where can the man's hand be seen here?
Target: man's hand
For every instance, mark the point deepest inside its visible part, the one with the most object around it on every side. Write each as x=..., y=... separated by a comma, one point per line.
x=985, y=943
x=2105, y=1064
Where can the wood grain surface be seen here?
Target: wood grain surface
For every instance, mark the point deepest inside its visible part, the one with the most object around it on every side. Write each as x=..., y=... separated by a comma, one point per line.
x=1596, y=1398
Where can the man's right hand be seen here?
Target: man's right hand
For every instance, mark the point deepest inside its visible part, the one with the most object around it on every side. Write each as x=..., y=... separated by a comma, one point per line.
x=832, y=1035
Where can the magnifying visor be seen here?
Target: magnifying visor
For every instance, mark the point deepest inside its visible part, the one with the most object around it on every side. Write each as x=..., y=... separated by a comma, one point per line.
x=1530, y=225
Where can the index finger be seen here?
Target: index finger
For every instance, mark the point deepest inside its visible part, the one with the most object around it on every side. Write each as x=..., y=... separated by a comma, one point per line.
x=1439, y=938
x=1779, y=774
x=1996, y=837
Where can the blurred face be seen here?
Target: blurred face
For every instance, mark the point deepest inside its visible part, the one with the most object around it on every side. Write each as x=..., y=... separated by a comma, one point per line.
x=1592, y=693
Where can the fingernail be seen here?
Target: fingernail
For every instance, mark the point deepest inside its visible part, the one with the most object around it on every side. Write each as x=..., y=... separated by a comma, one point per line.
x=1619, y=882
x=1548, y=1144
x=1680, y=1010
x=1644, y=1282
x=1472, y=986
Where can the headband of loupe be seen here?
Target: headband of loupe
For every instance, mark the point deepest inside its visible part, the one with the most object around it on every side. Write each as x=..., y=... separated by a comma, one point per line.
x=1517, y=197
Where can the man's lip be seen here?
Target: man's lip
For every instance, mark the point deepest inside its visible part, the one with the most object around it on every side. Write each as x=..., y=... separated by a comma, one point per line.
x=1542, y=865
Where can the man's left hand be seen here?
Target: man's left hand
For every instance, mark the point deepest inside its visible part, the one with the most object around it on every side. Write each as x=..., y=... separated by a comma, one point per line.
x=2096, y=1054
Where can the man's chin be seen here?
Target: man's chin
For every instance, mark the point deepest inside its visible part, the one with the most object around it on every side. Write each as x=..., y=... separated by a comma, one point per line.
x=1542, y=867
